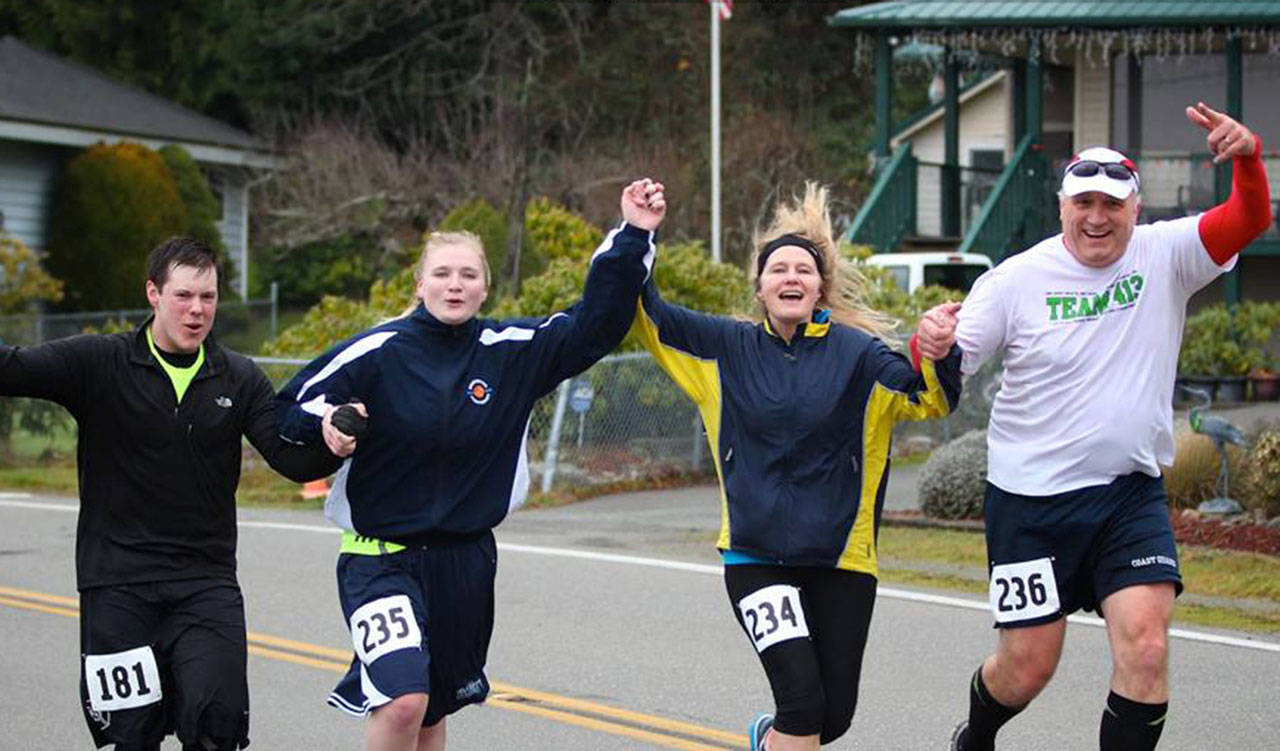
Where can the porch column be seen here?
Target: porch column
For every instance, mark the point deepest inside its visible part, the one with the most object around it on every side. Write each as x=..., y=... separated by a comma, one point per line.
x=1035, y=221
x=1035, y=86
x=1019, y=72
x=950, y=145
x=1134, y=136
x=1222, y=177
x=884, y=96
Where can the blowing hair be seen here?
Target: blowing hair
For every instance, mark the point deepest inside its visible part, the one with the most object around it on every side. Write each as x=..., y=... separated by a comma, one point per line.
x=436, y=240
x=843, y=287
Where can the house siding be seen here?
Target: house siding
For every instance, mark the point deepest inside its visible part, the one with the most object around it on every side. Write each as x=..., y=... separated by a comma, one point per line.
x=233, y=188
x=28, y=174
x=1092, y=104
x=984, y=123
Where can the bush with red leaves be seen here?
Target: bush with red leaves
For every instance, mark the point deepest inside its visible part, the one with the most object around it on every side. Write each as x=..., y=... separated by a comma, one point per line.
x=1190, y=529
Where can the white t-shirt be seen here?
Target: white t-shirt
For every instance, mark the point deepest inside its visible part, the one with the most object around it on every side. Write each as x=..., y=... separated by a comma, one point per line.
x=1090, y=356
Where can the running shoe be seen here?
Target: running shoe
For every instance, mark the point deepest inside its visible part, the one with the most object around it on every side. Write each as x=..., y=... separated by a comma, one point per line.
x=759, y=729
x=957, y=735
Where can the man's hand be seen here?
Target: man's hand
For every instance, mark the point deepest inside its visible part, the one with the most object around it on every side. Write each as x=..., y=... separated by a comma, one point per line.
x=643, y=204
x=937, y=331
x=342, y=426
x=1227, y=138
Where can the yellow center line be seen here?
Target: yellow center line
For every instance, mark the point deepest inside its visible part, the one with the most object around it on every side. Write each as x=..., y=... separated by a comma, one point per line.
x=591, y=723
x=505, y=696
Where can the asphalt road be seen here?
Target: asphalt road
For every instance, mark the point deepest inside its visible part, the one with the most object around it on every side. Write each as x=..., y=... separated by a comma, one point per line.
x=613, y=632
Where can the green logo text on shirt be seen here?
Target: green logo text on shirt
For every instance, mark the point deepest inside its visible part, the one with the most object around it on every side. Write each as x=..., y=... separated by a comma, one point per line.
x=1073, y=306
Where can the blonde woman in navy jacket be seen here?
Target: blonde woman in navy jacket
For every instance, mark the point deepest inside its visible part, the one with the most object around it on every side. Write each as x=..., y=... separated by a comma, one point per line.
x=442, y=462
x=798, y=410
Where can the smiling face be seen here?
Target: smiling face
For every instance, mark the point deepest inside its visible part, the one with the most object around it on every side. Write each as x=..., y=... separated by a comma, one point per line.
x=453, y=283
x=184, y=308
x=1096, y=227
x=789, y=287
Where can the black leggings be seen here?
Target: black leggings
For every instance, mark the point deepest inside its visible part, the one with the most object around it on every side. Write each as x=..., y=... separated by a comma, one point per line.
x=814, y=680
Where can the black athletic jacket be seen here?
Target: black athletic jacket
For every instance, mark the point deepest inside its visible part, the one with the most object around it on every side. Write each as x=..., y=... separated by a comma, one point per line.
x=157, y=478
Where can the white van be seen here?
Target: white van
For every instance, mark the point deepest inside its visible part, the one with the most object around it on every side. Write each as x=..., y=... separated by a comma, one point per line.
x=956, y=271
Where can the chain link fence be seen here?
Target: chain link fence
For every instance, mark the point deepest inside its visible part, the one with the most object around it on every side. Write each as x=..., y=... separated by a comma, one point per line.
x=624, y=420
x=240, y=325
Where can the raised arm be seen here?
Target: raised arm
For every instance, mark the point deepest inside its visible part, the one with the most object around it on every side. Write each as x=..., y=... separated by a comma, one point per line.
x=1226, y=229
x=56, y=371
x=572, y=340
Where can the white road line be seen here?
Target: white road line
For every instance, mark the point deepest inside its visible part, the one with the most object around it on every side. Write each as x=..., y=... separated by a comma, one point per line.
x=701, y=568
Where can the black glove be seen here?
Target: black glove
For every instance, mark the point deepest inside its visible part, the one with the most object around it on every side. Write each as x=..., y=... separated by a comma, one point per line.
x=349, y=420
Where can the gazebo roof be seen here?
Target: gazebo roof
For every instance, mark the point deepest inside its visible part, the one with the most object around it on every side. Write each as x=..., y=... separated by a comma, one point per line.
x=955, y=14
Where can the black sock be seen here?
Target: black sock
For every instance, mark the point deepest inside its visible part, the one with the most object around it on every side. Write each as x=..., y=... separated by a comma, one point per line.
x=986, y=716
x=1129, y=725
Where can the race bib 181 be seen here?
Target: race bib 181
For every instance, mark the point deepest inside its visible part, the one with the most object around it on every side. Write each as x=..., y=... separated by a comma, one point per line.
x=773, y=614
x=122, y=680
x=1022, y=591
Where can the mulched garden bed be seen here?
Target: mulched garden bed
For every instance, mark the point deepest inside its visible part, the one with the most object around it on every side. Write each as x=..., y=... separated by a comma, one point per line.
x=1189, y=528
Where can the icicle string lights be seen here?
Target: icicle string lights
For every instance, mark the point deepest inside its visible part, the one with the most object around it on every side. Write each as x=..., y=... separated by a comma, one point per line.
x=1094, y=46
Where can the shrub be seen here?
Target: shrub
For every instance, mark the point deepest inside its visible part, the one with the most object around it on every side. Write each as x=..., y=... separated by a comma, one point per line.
x=203, y=209
x=1194, y=474
x=344, y=265
x=552, y=231
x=114, y=205
x=480, y=217
x=1262, y=477
x=1228, y=342
x=953, y=480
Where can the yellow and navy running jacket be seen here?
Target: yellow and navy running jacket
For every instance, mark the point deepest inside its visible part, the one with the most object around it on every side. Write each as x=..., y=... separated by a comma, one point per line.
x=800, y=430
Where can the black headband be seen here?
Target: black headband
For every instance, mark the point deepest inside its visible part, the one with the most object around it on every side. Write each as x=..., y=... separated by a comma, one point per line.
x=799, y=241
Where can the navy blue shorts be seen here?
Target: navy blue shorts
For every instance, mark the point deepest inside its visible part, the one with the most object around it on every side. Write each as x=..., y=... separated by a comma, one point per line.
x=1049, y=556
x=165, y=657
x=420, y=622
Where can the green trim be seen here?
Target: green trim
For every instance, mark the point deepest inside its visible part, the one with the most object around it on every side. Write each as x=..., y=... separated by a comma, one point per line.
x=1100, y=14
x=355, y=544
x=928, y=111
x=180, y=377
x=889, y=213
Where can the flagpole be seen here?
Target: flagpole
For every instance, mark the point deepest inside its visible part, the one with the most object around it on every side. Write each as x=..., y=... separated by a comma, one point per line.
x=715, y=129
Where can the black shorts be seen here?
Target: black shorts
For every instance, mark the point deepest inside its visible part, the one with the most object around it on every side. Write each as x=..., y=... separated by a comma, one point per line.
x=809, y=627
x=163, y=657
x=420, y=622
x=1049, y=556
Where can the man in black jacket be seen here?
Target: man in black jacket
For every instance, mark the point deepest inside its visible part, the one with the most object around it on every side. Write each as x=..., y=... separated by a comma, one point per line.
x=160, y=413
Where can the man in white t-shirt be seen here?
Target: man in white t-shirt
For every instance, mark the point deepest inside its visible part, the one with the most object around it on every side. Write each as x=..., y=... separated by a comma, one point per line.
x=1089, y=324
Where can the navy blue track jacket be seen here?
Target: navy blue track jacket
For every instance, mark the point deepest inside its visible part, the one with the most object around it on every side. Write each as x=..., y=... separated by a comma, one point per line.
x=800, y=430
x=449, y=406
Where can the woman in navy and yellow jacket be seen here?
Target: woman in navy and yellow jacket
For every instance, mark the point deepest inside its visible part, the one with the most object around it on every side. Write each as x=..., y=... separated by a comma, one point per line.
x=799, y=411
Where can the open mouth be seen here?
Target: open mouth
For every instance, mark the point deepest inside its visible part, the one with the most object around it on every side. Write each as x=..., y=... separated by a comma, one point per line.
x=1096, y=234
x=791, y=294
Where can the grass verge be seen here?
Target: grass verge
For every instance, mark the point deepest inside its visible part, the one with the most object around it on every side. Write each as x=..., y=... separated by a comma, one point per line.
x=956, y=560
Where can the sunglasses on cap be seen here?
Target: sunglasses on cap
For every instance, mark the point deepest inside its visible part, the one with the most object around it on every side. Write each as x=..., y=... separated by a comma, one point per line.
x=1113, y=170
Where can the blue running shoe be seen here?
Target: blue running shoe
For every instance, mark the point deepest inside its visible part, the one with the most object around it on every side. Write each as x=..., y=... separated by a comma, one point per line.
x=759, y=729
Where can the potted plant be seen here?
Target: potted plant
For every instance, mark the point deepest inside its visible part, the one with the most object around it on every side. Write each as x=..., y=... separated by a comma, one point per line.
x=1198, y=359
x=1264, y=382
x=1255, y=324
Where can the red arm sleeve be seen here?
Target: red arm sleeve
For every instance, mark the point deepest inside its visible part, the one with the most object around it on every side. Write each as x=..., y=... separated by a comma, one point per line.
x=1228, y=227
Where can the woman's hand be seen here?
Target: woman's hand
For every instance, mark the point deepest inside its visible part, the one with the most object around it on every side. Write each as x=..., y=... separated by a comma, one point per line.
x=340, y=443
x=643, y=204
x=937, y=331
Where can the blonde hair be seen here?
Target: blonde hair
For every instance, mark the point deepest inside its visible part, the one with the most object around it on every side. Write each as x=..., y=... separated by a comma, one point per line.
x=843, y=287
x=437, y=240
